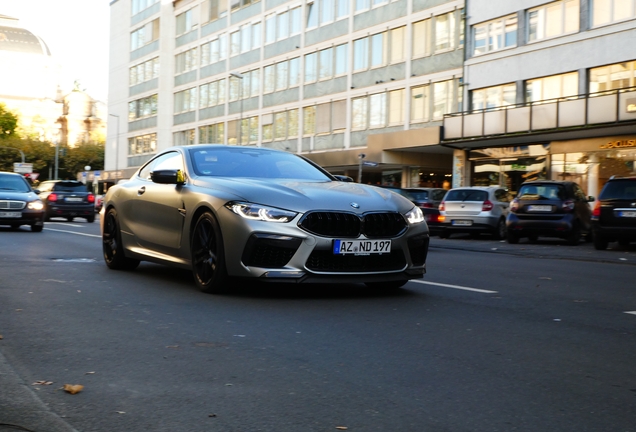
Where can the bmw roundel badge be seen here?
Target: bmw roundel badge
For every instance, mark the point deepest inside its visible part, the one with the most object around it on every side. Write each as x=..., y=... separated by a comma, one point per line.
x=355, y=205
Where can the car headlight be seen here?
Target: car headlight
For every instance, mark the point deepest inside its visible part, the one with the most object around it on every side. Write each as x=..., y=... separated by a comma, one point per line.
x=415, y=216
x=260, y=212
x=35, y=205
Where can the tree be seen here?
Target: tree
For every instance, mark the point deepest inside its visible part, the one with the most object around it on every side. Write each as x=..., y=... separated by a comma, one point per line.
x=8, y=122
x=76, y=158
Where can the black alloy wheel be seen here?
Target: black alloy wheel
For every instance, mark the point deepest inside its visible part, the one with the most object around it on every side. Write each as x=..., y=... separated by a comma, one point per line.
x=112, y=246
x=208, y=259
x=500, y=230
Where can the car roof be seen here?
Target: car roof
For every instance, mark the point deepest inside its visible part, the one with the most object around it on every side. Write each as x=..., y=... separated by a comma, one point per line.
x=555, y=182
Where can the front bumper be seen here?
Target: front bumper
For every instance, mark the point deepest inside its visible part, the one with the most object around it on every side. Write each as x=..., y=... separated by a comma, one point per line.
x=27, y=217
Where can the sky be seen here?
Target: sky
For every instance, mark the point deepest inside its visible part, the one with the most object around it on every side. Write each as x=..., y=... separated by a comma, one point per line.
x=76, y=32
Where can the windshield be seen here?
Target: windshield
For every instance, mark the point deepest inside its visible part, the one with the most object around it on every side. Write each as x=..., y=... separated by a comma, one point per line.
x=12, y=183
x=253, y=163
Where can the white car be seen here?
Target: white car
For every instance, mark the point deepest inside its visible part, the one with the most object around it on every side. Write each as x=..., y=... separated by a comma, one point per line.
x=475, y=210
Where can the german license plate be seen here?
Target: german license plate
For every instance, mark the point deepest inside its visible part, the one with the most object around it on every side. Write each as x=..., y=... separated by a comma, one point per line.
x=10, y=214
x=361, y=247
x=73, y=199
x=461, y=223
x=628, y=214
x=539, y=208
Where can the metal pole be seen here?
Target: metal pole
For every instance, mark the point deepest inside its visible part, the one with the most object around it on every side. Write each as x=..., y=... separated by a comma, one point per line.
x=57, y=146
x=360, y=157
x=116, y=148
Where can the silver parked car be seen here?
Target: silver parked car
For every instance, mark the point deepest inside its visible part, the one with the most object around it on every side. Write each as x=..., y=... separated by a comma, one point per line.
x=475, y=210
x=236, y=211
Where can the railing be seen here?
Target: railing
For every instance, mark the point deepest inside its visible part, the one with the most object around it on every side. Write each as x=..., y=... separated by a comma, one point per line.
x=611, y=106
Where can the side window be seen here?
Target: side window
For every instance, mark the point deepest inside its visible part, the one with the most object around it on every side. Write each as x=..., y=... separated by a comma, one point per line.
x=170, y=160
x=502, y=195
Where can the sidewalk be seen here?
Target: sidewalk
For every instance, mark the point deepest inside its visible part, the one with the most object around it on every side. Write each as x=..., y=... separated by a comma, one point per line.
x=21, y=409
x=544, y=248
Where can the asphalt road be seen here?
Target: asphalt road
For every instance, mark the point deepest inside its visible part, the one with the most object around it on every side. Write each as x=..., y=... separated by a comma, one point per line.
x=496, y=337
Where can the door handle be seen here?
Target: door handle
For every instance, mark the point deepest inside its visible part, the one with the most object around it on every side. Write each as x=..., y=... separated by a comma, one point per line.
x=141, y=190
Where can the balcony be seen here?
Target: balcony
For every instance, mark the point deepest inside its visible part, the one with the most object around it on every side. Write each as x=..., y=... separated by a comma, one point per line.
x=606, y=113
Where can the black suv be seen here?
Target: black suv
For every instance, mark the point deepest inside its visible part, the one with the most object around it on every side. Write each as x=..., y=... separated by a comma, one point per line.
x=67, y=199
x=614, y=216
x=552, y=209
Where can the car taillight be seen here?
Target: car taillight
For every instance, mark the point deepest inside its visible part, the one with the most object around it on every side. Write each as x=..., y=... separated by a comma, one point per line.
x=427, y=205
x=91, y=198
x=52, y=197
x=568, y=206
x=514, y=205
x=442, y=206
x=597, y=210
x=487, y=206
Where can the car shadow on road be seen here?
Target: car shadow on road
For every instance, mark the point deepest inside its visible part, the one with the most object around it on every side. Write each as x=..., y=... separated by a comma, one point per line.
x=249, y=288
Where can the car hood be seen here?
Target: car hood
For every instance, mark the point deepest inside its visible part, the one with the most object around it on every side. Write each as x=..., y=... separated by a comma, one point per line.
x=18, y=196
x=302, y=196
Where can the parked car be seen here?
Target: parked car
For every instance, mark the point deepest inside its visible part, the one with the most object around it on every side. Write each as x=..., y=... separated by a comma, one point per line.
x=237, y=211
x=428, y=199
x=550, y=208
x=19, y=203
x=67, y=199
x=475, y=210
x=614, y=215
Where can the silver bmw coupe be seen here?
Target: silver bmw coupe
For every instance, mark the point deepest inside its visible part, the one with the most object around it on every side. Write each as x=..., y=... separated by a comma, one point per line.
x=248, y=212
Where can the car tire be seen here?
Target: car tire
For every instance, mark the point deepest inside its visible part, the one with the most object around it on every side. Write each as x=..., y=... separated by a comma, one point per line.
x=533, y=238
x=513, y=238
x=37, y=228
x=112, y=246
x=386, y=286
x=90, y=219
x=500, y=230
x=69, y=218
x=15, y=227
x=444, y=234
x=574, y=237
x=207, y=255
x=623, y=242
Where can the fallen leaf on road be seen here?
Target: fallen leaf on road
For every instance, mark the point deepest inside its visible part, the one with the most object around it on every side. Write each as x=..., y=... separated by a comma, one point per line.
x=341, y=427
x=120, y=412
x=73, y=388
x=0, y=337
x=211, y=415
x=89, y=373
x=42, y=383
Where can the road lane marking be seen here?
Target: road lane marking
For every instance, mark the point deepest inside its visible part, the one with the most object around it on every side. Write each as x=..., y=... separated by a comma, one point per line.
x=631, y=312
x=73, y=232
x=65, y=224
x=456, y=287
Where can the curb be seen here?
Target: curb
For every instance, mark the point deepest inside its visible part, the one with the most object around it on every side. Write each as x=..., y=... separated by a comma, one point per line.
x=22, y=409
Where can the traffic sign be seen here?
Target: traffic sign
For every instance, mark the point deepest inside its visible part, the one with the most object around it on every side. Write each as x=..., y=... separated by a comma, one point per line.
x=370, y=164
x=23, y=168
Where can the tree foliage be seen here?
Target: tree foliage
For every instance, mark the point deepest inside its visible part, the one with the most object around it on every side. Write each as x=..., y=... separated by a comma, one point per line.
x=8, y=123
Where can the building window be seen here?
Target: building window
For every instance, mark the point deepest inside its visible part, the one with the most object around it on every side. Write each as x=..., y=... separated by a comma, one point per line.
x=212, y=94
x=185, y=137
x=311, y=66
x=396, y=107
x=495, y=35
x=186, y=61
x=553, y=19
x=214, y=51
x=282, y=25
x=140, y=5
x=377, y=110
x=186, y=22
x=359, y=113
x=443, y=93
x=212, y=10
x=445, y=32
x=493, y=97
x=379, y=49
x=609, y=11
x=331, y=62
x=143, y=144
x=420, y=104
x=612, y=77
x=237, y=4
x=552, y=87
x=185, y=101
x=421, y=38
x=145, y=71
x=142, y=108
x=212, y=134
x=281, y=76
x=309, y=120
x=323, y=12
x=144, y=35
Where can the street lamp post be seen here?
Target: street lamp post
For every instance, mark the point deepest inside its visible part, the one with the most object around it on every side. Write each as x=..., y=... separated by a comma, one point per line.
x=240, y=123
x=58, y=132
x=116, y=148
x=361, y=156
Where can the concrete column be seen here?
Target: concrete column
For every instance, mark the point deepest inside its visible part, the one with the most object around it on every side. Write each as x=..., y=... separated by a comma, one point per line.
x=461, y=169
x=592, y=176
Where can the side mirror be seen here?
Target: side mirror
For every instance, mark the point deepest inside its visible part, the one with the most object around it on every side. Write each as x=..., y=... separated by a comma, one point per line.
x=36, y=191
x=343, y=178
x=591, y=199
x=167, y=176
